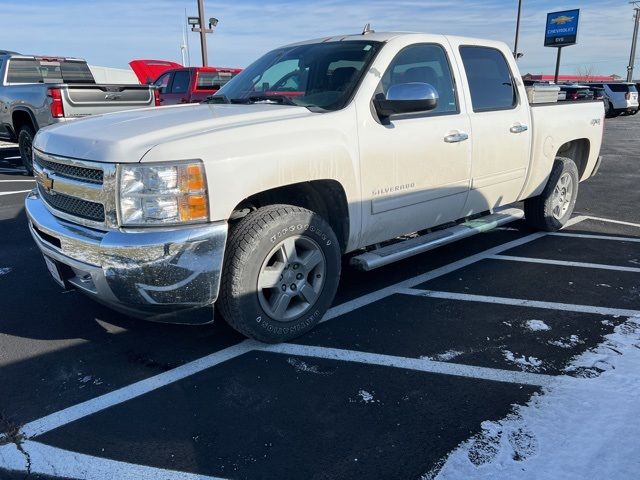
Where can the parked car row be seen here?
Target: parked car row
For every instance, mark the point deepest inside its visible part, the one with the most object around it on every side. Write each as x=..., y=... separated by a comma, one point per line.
x=618, y=97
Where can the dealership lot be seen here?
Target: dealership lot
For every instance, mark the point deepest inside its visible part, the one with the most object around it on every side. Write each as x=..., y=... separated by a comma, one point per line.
x=414, y=361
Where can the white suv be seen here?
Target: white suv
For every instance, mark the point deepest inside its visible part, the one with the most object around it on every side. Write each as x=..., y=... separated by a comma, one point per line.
x=620, y=98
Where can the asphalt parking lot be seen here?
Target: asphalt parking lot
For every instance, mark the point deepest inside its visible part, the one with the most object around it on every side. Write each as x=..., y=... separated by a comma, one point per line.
x=406, y=378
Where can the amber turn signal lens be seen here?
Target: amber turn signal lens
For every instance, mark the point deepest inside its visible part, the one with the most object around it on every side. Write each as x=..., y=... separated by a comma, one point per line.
x=195, y=178
x=194, y=207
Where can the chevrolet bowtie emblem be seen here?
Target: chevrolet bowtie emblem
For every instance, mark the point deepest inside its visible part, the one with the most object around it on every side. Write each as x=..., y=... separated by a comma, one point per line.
x=44, y=180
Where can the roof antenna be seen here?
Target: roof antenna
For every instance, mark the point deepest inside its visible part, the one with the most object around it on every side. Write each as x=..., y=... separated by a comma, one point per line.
x=367, y=29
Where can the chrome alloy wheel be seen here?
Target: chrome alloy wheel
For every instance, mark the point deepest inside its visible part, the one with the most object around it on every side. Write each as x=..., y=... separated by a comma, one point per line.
x=562, y=195
x=291, y=278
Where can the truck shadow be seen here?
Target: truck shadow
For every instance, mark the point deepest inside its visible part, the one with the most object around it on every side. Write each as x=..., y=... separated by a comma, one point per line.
x=10, y=162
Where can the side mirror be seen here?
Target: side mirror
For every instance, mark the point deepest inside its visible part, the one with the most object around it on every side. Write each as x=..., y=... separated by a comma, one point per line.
x=407, y=98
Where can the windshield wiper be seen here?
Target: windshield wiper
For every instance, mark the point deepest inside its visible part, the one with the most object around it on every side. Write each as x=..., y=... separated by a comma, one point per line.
x=217, y=99
x=282, y=99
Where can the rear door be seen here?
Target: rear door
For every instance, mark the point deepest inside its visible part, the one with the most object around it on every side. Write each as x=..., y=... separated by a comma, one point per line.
x=500, y=134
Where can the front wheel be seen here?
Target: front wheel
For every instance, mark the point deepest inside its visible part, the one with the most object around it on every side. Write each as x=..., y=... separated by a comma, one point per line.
x=552, y=209
x=282, y=268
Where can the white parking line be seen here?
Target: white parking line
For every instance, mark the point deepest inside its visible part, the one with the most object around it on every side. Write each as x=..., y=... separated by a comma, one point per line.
x=12, y=181
x=565, y=263
x=466, y=297
x=47, y=460
x=425, y=277
x=14, y=193
x=595, y=237
x=610, y=220
x=80, y=410
x=417, y=364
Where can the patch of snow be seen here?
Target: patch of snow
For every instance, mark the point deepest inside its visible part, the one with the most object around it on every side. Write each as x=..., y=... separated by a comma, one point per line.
x=5, y=270
x=604, y=285
x=582, y=429
x=366, y=397
x=537, y=325
x=524, y=362
x=301, y=366
x=566, y=342
x=445, y=356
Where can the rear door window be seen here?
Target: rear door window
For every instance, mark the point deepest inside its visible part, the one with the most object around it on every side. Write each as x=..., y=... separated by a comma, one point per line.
x=490, y=81
x=180, y=82
x=618, y=87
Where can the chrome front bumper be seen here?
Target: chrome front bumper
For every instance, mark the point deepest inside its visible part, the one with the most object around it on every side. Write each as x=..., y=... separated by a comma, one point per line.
x=170, y=275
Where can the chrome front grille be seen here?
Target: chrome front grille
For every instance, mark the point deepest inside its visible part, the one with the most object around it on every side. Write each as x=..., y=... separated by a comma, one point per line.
x=77, y=190
x=91, y=175
x=74, y=206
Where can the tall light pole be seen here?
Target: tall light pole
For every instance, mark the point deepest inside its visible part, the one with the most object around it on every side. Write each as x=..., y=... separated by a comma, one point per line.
x=517, y=55
x=198, y=25
x=634, y=41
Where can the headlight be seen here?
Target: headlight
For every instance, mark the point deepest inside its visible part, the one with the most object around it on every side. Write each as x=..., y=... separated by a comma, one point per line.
x=163, y=194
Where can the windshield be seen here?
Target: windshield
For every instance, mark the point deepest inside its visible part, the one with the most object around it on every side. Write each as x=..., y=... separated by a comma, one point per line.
x=320, y=76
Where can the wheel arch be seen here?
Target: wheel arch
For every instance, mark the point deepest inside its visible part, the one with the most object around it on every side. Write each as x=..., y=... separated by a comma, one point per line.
x=577, y=150
x=22, y=116
x=325, y=197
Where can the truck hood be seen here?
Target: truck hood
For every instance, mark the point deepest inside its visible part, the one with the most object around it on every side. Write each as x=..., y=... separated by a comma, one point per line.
x=125, y=137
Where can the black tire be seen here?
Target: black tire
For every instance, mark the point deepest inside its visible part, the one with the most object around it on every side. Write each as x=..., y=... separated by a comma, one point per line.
x=609, y=111
x=633, y=112
x=539, y=211
x=25, y=145
x=250, y=245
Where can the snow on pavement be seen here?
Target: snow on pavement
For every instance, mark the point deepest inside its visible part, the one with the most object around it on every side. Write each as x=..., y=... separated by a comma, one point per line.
x=587, y=432
x=537, y=325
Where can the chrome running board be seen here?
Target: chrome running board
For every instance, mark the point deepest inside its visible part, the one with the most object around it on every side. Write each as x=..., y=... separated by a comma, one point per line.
x=414, y=246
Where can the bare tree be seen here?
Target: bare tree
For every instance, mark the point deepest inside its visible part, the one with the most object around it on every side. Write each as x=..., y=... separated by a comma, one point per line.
x=585, y=72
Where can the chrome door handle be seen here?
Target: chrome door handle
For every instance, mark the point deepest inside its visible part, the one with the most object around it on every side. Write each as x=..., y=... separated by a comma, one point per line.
x=456, y=137
x=518, y=129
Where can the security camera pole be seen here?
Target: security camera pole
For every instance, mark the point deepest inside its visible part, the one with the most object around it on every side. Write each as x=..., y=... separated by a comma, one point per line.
x=198, y=25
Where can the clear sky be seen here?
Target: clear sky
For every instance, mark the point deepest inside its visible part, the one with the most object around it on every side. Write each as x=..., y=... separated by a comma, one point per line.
x=113, y=32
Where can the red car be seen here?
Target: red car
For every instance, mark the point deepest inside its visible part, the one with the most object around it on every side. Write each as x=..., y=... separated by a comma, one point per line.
x=192, y=84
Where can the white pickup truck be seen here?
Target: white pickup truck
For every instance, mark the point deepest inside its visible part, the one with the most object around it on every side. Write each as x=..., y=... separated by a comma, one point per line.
x=381, y=145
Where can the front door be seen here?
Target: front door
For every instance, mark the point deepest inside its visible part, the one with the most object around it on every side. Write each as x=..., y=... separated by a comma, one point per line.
x=178, y=89
x=500, y=126
x=415, y=168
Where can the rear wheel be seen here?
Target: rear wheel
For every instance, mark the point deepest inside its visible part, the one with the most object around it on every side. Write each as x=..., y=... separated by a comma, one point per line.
x=25, y=145
x=609, y=112
x=281, y=273
x=552, y=209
